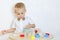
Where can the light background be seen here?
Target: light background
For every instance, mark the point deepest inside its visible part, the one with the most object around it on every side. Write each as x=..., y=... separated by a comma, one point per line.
x=45, y=13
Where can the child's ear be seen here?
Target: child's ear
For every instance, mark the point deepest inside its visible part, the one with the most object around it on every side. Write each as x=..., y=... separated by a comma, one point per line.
x=25, y=10
x=14, y=10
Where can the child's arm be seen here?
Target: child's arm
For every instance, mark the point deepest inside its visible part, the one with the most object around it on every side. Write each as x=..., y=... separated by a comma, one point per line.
x=11, y=30
x=31, y=23
x=8, y=31
x=30, y=26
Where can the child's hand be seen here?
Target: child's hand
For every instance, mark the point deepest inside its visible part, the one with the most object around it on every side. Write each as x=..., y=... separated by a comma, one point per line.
x=4, y=32
x=28, y=26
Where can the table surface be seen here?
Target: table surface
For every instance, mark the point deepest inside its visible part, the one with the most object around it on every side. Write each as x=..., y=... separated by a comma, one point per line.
x=17, y=37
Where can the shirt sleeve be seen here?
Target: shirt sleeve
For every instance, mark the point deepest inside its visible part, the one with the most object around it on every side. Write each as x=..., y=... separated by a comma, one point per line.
x=31, y=21
x=13, y=24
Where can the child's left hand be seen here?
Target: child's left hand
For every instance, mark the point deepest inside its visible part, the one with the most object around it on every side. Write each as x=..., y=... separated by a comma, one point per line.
x=28, y=26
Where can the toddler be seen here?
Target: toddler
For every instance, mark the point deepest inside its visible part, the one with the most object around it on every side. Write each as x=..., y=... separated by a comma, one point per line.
x=20, y=22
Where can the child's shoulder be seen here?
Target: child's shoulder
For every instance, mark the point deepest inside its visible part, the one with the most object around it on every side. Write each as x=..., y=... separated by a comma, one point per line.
x=29, y=18
x=14, y=19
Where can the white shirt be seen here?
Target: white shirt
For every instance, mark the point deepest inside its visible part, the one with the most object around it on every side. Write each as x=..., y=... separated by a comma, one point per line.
x=21, y=24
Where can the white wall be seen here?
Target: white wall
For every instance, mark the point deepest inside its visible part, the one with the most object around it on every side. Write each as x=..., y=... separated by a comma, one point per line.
x=45, y=13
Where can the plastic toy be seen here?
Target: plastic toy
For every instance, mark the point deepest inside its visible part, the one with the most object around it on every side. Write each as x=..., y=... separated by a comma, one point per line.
x=32, y=37
x=32, y=34
x=27, y=30
x=37, y=35
x=46, y=35
x=22, y=35
x=36, y=31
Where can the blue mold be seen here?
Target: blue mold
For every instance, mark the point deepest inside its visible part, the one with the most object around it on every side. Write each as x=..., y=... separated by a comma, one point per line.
x=37, y=35
x=46, y=35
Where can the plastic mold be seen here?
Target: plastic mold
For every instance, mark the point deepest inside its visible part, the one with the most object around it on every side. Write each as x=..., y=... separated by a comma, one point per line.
x=37, y=35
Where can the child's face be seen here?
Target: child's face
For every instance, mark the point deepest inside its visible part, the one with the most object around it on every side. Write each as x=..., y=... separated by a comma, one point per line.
x=20, y=12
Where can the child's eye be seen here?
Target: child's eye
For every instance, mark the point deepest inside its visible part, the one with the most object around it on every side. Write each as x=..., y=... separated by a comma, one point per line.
x=18, y=14
x=21, y=13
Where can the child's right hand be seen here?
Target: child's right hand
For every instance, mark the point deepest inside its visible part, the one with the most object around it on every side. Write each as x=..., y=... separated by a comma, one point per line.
x=4, y=32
